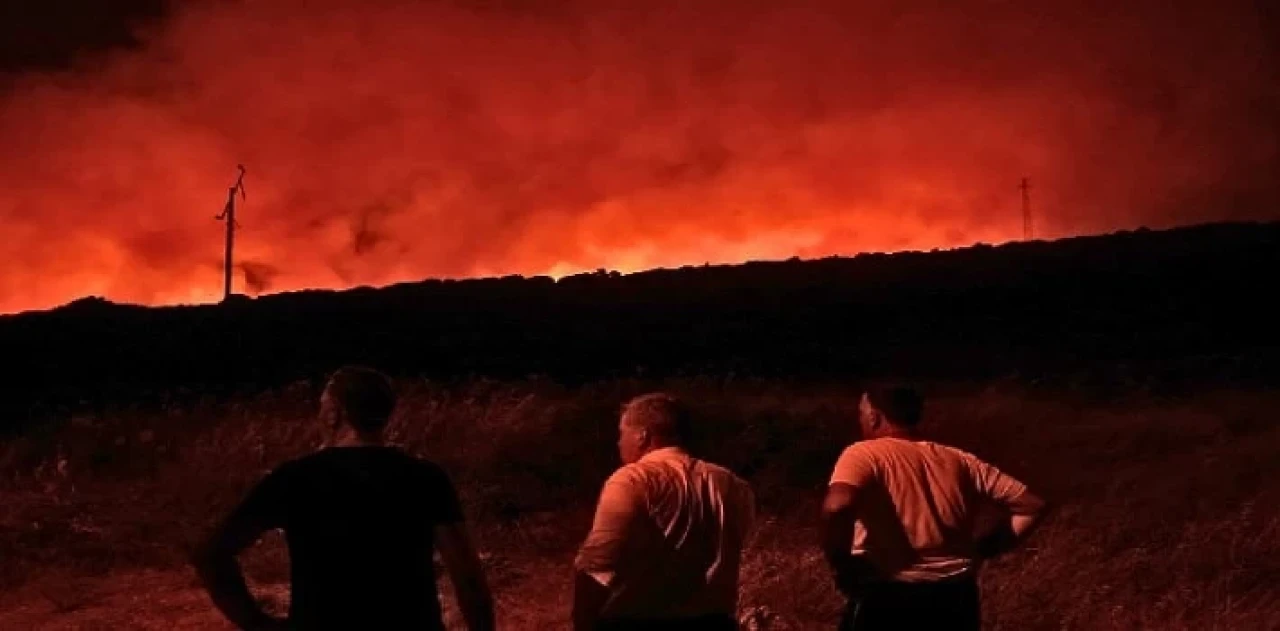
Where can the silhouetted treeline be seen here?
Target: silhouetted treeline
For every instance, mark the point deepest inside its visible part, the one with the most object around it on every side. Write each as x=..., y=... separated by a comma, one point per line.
x=1191, y=302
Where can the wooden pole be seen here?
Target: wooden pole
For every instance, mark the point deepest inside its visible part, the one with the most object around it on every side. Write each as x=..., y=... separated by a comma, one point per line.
x=1027, y=231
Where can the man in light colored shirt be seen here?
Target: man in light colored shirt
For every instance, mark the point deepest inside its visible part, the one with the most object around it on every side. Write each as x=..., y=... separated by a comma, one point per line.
x=666, y=543
x=900, y=521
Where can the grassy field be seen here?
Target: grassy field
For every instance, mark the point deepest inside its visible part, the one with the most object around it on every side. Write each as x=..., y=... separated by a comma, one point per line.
x=1168, y=508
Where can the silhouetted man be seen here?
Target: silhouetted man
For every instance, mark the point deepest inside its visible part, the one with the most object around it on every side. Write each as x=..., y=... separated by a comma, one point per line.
x=899, y=521
x=665, y=546
x=361, y=520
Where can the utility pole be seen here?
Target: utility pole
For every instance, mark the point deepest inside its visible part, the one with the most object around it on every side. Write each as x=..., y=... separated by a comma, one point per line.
x=229, y=215
x=1027, y=231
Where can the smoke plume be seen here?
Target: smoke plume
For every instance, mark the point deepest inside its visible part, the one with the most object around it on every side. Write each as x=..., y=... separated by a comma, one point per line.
x=389, y=141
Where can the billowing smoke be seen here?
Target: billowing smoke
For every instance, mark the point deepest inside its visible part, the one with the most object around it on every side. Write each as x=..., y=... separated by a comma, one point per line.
x=389, y=141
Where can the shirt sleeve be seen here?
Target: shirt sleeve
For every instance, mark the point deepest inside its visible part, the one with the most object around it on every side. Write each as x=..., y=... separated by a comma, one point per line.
x=618, y=512
x=855, y=467
x=267, y=503
x=993, y=483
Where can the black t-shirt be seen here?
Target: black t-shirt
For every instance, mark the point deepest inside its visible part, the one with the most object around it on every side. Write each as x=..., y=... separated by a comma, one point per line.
x=359, y=524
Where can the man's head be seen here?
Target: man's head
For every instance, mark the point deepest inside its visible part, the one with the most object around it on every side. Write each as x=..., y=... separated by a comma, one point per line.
x=360, y=398
x=889, y=410
x=651, y=421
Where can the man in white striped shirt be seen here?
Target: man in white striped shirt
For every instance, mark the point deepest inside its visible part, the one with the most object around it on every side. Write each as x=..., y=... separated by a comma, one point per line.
x=665, y=546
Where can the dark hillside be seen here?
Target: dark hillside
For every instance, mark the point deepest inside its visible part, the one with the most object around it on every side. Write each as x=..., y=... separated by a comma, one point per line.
x=1177, y=304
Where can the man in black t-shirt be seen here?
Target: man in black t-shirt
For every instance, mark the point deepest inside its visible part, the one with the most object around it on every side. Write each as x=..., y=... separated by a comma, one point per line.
x=361, y=520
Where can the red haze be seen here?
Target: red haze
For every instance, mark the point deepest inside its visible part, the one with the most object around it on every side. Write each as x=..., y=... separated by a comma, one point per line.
x=389, y=141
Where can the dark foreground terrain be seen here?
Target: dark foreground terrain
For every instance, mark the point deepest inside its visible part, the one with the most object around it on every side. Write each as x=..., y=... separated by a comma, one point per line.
x=1168, y=507
x=1130, y=377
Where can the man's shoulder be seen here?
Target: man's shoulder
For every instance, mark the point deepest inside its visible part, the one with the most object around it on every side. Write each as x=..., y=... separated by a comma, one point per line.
x=722, y=472
x=642, y=472
x=865, y=448
x=863, y=459
x=341, y=458
x=631, y=472
x=876, y=447
x=418, y=464
x=299, y=469
x=413, y=460
x=298, y=464
x=950, y=450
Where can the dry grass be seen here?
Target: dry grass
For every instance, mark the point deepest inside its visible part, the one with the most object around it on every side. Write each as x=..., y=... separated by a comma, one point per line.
x=1168, y=509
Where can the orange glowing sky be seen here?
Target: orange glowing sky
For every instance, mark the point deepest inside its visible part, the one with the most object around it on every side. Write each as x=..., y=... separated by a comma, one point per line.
x=389, y=141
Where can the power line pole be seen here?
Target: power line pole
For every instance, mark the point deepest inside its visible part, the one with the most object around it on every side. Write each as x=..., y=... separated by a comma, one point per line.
x=1027, y=231
x=229, y=215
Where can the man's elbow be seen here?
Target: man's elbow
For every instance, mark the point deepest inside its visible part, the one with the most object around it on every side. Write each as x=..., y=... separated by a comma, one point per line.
x=1038, y=515
x=1042, y=508
x=1028, y=518
x=1028, y=505
x=1039, y=509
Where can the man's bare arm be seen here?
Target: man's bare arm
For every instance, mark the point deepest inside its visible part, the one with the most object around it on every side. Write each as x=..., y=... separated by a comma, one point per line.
x=465, y=572
x=1027, y=511
x=619, y=512
x=219, y=572
x=838, y=517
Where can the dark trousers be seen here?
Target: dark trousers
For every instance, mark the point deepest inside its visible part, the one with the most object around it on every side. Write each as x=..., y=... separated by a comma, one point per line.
x=700, y=623
x=950, y=604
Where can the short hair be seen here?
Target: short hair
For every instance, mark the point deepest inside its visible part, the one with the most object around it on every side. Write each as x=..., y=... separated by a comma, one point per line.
x=660, y=414
x=365, y=395
x=902, y=405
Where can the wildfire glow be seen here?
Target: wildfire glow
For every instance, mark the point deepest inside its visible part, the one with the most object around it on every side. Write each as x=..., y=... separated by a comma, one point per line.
x=390, y=141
